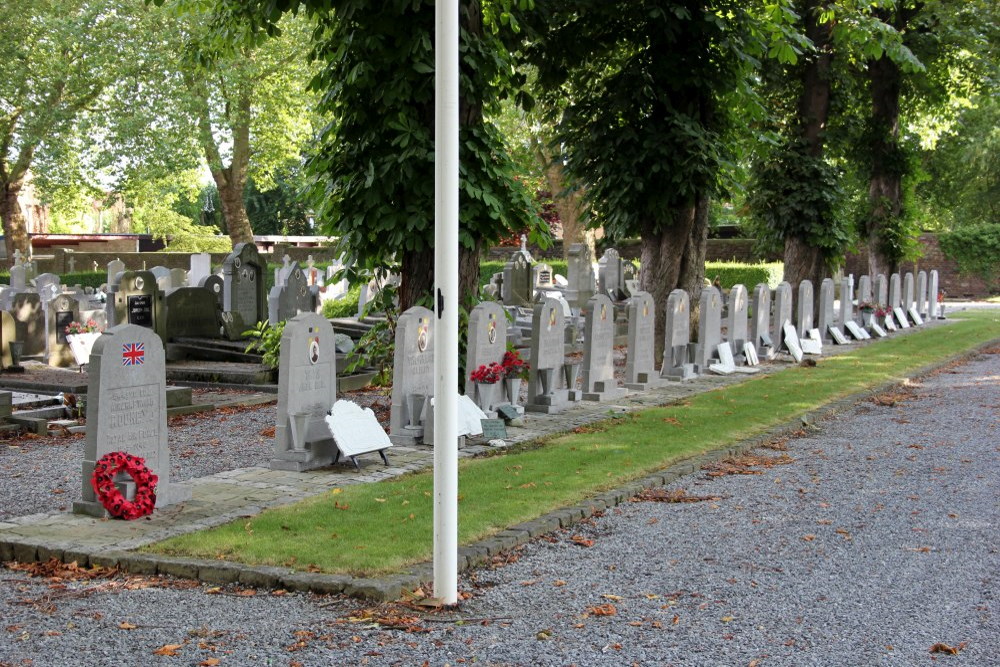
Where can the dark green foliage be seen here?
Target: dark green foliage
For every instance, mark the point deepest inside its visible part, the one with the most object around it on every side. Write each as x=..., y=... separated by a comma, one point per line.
x=794, y=194
x=748, y=275
x=280, y=210
x=976, y=248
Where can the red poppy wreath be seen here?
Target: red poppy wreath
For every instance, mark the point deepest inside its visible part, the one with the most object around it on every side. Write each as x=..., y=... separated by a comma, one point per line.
x=111, y=498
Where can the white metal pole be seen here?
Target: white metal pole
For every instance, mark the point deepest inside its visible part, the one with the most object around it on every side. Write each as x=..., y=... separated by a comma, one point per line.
x=446, y=301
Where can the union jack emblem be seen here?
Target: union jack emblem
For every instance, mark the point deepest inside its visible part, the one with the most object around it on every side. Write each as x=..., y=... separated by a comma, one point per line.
x=133, y=354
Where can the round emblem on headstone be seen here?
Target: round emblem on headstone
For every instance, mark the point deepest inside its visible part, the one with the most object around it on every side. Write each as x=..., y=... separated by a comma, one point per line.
x=491, y=333
x=139, y=282
x=217, y=287
x=313, y=350
x=552, y=318
x=245, y=274
x=645, y=310
x=422, y=336
x=298, y=273
x=237, y=263
x=253, y=276
x=604, y=312
x=302, y=291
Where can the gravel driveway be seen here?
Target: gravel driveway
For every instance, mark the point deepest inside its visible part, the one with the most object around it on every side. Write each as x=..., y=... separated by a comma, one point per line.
x=868, y=541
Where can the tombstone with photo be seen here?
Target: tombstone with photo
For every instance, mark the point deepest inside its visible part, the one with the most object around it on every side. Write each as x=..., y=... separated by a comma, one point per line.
x=736, y=320
x=62, y=310
x=547, y=359
x=137, y=299
x=825, y=316
x=640, y=365
x=243, y=288
x=413, y=376
x=804, y=313
x=709, y=328
x=677, y=364
x=599, y=382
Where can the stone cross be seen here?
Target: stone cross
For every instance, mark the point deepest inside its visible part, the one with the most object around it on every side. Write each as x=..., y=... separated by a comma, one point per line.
x=72, y=264
x=286, y=261
x=18, y=258
x=524, y=243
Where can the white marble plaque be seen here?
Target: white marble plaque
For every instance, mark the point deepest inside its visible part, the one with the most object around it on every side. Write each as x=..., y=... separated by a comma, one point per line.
x=838, y=336
x=901, y=317
x=915, y=316
x=879, y=331
x=355, y=429
x=750, y=352
x=856, y=331
x=792, y=340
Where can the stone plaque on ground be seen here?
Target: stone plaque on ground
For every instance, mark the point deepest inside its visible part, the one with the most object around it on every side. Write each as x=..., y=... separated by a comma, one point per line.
x=243, y=284
x=736, y=320
x=307, y=389
x=812, y=342
x=640, y=365
x=487, y=340
x=516, y=288
x=824, y=316
x=791, y=340
x=932, y=294
x=760, y=318
x=413, y=376
x=901, y=317
x=915, y=316
x=29, y=323
x=895, y=294
x=61, y=311
x=677, y=364
x=127, y=410
x=547, y=358
x=356, y=430
x=804, y=313
x=726, y=365
x=838, y=336
x=709, y=328
x=599, y=382
x=856, y=332
x=879, y=331
x=781, y=311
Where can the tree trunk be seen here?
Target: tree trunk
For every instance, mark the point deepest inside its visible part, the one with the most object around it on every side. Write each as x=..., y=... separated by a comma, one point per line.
x=234, y=212
x=569, y=202
x=468, y=273
x=14, y=229
x=673, y=257
x=416, y=277
x=885, y=188
x=803, y=261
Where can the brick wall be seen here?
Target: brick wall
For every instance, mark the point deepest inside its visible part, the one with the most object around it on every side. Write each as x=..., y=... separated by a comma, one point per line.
x=719, y=250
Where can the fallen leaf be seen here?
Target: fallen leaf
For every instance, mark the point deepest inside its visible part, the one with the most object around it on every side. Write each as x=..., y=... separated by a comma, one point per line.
x=613, y=598
x=809, y=538
x=726, y=619
x=209, y=662
x=214, y=590
x=602, y=610
x=125, y=625
x=558, y=582
x=582, y=541
x=168, y=649
x=941, y=647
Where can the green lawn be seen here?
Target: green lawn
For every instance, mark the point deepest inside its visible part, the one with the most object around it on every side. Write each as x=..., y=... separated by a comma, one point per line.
x=382, y=527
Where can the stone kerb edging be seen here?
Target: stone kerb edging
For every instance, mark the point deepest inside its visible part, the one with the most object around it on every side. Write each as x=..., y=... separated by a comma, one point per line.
x=471, y=556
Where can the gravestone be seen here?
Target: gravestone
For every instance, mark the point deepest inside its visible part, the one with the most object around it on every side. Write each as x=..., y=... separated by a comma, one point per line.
x=413, y=376
x=547, y=358
x=865, y=291
x=191, y=311
x=543, y=277
x=677, y=363
x=804, y=318
x=215, y=285
x=356, y=431
x=812, y=342
x=487, y=340
x=781, y=312
x=599, y=382
x=610, y=278
x=18, y=277
x=909, y=295
x=736, y=320
x=709, y=328
x=824, y=318
x=164, y=279
x=115, y=267
x=922, y=293
x=791, y=341
x=292, y=297
x=29, y=323
x=200, y=269
x=178, y=278
x=127, y=410
x=580, y=270
x=932, y=295
x=243, y=284
x=895, y=296
x=48, y=286
x=881, y=291
x=630, y=278
x=137, y=299
x=760, y=318
x=846, y=303
x=61, y=311
x=516, y=288
x=640, y=366
x=8, y=332
x=307, y=390
x=726, y=365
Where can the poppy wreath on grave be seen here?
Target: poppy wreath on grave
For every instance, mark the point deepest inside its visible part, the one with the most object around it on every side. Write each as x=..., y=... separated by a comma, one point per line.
x=111, y=498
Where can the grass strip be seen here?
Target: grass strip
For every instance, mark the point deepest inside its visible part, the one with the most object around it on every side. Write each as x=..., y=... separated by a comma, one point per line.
x=371, y=529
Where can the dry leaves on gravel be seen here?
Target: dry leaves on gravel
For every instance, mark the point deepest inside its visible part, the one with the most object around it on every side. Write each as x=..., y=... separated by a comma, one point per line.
x=941, y=647
x=673, y=496
x=744, y=465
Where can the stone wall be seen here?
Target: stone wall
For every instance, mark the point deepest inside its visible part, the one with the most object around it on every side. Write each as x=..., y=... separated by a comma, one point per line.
x=951, y=282
x=719, y=250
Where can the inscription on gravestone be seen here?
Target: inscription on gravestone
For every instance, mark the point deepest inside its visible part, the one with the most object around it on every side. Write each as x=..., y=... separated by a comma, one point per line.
x=140, y=310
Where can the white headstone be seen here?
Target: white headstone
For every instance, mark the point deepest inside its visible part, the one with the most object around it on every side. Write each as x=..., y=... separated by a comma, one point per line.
x=791, y=340
x=356, y=430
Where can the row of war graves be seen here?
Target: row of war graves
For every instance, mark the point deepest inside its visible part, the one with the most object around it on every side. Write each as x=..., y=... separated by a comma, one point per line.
x=176, y=304
x=313, y=429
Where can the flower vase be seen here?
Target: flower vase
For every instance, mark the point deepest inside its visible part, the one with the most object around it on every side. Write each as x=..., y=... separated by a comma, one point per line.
x=570, y=371
x=513, y=386
x=487, y=393
x=867, y=318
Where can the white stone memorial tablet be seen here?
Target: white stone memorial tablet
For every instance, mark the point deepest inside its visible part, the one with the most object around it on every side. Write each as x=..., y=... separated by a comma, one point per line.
x=810, y=346
x=470, y=417
x=750, y=352
x=890, y=323
x=838, y=336
x=727, y=365
x=901, y=317
x=915, y=316
x=879, y=331
x=792, y=341
x=856, y=331
x=355, y=429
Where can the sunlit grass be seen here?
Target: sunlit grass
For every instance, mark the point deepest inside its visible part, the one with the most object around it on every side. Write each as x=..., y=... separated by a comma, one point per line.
x=382, y=527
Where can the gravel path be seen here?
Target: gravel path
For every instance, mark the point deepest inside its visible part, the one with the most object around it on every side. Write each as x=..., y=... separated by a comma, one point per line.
x=876, y=541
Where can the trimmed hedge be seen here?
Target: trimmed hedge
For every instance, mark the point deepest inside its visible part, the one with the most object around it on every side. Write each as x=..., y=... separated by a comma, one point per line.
x=748, y=275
